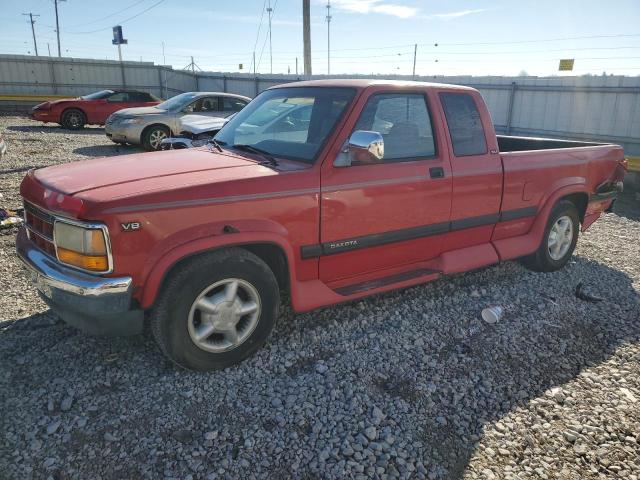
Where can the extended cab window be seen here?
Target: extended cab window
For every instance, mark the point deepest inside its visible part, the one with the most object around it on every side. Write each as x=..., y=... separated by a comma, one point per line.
x=465, y=125
x=404, y=123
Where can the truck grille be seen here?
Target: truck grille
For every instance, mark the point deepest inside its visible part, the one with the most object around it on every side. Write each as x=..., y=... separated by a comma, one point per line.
x=39, y=228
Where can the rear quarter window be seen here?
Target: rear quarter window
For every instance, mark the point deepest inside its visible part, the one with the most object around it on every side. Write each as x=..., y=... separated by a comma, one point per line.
x=464, y=123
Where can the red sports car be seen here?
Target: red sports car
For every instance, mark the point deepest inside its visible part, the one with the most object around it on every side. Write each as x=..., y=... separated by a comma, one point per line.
x=95, y=108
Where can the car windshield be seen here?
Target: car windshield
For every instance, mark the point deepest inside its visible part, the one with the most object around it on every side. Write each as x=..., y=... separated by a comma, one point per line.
x=97, y=95
x=289, y=122
x=178, y=102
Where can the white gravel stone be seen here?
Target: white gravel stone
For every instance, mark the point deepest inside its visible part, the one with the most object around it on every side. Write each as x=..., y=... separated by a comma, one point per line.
x=418, y=386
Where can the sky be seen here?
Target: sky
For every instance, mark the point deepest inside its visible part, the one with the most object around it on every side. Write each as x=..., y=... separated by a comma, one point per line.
x=455, y=37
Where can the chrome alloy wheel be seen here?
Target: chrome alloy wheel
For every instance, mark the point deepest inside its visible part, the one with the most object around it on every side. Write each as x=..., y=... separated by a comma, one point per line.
x=560, y=238
x=156, y=137
x=224, y=315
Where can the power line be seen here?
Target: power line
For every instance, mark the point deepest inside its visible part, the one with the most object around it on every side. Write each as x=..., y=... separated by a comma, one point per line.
x=122, y=21
x=266, y=37
x=558, y=39
x=255, y=44
x=108, y=16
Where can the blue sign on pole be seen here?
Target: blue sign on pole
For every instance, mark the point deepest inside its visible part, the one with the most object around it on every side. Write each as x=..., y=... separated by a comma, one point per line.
x=117, y=36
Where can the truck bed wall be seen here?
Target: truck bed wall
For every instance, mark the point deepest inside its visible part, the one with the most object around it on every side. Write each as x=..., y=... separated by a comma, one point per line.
x=508, y=143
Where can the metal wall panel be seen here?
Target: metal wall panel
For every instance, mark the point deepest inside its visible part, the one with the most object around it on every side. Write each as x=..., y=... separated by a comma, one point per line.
x=598, y=107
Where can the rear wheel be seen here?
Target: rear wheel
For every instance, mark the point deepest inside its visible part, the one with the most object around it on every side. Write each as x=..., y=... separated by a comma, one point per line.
x=153, y=136
x=73, y=119
x=217, y=310
x=559, y=240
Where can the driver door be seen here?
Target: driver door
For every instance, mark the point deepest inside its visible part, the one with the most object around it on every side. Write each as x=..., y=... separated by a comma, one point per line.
x=394, y=213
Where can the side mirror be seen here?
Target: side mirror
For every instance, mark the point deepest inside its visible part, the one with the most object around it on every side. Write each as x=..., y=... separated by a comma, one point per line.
x=363, y=147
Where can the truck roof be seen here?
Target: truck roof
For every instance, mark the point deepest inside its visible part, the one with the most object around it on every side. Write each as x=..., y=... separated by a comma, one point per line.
x=362, y=83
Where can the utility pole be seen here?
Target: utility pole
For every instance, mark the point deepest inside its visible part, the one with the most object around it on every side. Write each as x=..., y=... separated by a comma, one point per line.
x=306, y=35
x=48, y=48
x=55, y=3
x=415, y=52
x=254, y=62
x=269, y=10
x=193, y=66
x=33, y=30
x=296, y=65
x=328, y=37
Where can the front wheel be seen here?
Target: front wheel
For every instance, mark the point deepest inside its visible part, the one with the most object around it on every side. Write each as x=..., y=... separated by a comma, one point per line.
x=73, y=119
x=153, y=136
x=559, y=241
x=216, y=310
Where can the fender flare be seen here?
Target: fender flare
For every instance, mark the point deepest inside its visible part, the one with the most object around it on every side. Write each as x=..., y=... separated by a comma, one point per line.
x=152, y=283
x=516, y=247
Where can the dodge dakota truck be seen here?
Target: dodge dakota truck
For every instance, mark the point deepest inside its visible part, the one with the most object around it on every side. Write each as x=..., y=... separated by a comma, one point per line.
x=364, y=187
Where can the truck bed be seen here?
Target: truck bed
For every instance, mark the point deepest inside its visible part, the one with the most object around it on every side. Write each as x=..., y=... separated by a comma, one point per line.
x=507, y=143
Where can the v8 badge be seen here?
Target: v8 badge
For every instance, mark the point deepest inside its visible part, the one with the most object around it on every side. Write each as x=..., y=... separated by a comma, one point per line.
x=130, y=226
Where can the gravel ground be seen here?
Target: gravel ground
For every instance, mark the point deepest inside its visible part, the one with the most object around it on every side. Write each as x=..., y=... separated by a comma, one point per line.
x=411, y=384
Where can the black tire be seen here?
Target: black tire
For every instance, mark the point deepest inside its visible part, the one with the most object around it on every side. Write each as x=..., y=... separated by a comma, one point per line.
x=73, y=119
x=148, y=137
x=542, y=260
x=170, y=316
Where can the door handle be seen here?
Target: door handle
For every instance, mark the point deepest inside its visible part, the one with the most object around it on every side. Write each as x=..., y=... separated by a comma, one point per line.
x=436, y=172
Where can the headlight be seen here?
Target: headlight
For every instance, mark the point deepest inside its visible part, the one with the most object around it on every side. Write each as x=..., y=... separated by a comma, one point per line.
x=81, y=247
x=133, y=121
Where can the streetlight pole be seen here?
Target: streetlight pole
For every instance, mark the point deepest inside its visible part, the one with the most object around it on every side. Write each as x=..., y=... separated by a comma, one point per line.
x=269, y=9
x=328, y=37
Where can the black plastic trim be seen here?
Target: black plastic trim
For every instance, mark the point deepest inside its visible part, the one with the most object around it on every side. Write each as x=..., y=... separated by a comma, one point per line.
x=474, y=222
x=376, y=239
x=518, y=214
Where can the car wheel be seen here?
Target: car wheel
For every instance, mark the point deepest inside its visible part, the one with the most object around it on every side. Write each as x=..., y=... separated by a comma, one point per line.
x=153, y=136
x=559, y=240
x=216, y=310
x=73, y=119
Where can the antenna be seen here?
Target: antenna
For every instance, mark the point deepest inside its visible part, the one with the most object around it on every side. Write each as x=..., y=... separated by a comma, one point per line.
x=328, y=37
x=33, y=30
x=270, y=10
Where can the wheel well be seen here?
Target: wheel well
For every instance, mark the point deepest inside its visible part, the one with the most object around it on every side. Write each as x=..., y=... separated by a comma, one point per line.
x=146, y=129
x=269, y=253
x=580, y=200
x=73, y=108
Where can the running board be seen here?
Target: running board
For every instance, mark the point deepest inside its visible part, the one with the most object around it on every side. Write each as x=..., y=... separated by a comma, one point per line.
x=384, y=281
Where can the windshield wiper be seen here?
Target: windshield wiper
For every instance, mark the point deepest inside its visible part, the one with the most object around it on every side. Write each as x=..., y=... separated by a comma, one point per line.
x=214, y=142
x=263, y=153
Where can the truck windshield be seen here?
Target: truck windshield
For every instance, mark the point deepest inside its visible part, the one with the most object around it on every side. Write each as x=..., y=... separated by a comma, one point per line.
x=289, y=122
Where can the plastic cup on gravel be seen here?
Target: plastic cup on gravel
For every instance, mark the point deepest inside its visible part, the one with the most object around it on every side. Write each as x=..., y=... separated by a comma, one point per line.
x=492, y=314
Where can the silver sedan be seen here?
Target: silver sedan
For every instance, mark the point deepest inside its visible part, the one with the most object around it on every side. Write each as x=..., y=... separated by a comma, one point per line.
x=148, y=126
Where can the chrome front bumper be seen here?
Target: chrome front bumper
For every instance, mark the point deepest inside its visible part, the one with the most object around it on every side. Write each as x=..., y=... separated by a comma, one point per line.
x=96, y=305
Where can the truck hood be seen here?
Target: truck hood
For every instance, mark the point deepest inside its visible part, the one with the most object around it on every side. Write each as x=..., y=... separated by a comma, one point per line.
x=123, y=176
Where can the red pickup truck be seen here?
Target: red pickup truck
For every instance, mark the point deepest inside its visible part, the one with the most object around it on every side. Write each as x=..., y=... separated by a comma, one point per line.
x=330, y=190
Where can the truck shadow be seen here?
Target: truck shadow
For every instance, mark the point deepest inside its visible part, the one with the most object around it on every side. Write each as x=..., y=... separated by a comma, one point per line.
x=626, y=204
x=107, y=150
x=451, y=378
